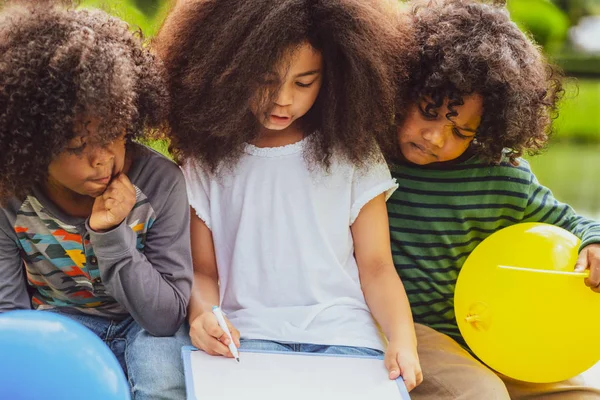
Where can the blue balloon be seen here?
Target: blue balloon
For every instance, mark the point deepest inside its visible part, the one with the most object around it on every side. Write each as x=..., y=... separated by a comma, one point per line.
x=44, y=355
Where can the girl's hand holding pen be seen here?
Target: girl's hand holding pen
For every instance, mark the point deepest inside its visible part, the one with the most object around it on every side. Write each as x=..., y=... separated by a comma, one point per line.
x=207, y=335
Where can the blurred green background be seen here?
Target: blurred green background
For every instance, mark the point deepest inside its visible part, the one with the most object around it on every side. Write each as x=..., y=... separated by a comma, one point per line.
x=568, y=31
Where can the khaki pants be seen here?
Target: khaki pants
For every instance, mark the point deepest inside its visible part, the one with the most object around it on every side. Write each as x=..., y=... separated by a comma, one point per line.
x=450, y=372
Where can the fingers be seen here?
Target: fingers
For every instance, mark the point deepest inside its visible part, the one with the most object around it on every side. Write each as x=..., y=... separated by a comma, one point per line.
x=582, y=261
x=592, y=253
x=217, y=339
x=208, y=336
x=419, y=375
x=120, y=188
x=110, y=204
x=122, y=181
x=410, y=380
x=589, y=258
x=235, y=334
x=212, y=346
x=115, y=194
x=593, y=281
x=213, y=329
x=391, y=364
x=216, y=347
x=116, y=211
x=410, y=370
x=119, y=197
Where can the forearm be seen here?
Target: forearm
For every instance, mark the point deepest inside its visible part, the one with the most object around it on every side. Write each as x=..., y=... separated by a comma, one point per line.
x=157, y=300
x=387, y=300
x=587, y=230
x=13, y=289
x=543, y=207
x=205, y=295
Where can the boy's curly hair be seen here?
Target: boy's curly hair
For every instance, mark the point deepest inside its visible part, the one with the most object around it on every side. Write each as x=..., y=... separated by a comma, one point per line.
x=217, y=51
x=57, y=64
x=468, y=46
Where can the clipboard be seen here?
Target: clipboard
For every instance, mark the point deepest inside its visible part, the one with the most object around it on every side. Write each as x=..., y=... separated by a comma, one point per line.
x=343, y=381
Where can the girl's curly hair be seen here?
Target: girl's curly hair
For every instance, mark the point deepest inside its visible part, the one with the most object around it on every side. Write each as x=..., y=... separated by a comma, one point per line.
x=469, y=46
x=58, y=63
x=217, y=51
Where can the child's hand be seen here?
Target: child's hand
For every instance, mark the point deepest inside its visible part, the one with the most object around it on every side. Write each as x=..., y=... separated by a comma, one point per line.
x=404, y=361
x=113, y=206
x=207, y=335
x=589, y=258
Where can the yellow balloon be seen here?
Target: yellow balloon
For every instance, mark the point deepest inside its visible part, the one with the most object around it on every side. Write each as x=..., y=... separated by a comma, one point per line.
x=522, y=309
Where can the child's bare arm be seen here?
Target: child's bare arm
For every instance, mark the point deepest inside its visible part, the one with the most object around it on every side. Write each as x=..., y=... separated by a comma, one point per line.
x=205, y=290
x=204, y=329
x=384, y=292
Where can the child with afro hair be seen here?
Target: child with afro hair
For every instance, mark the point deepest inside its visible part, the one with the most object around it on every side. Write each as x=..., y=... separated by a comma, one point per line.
x=277, y=107
x=480, y=96
x=93, y=225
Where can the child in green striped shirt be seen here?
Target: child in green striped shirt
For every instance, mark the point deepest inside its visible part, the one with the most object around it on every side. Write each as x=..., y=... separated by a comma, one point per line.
x=480, y=95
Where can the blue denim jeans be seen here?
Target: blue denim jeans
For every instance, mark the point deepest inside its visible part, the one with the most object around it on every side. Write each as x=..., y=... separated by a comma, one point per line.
x=268, y=345
x=152, y=365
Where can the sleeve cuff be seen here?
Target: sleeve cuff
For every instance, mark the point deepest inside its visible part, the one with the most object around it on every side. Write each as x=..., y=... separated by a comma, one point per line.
x=114, y=243
x=595, y=239
x=202, y=216
x=387, y=187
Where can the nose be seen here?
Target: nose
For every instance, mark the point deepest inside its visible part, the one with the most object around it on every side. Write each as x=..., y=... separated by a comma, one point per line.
x=101, y=156
x=435, y=135
x=285, y=97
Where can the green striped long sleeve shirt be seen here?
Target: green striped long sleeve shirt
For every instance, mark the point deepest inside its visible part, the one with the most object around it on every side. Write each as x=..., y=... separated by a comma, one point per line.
x=439, y=215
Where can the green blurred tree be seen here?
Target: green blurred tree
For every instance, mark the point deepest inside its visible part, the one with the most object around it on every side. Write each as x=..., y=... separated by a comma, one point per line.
x=575, y=9
x=146, y=15
x=547, y=23
x=149, y=7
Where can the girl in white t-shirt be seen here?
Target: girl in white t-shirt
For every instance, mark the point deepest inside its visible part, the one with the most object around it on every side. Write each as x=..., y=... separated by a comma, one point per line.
x=276, y=113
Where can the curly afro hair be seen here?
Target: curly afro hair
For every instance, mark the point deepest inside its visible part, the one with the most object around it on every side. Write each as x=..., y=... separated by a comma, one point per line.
x=469, y=46
x=217, y=51
x=58, y=63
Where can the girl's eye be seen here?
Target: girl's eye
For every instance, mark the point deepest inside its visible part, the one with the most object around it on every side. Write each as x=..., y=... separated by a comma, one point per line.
x=304, y=85
x=460, y=135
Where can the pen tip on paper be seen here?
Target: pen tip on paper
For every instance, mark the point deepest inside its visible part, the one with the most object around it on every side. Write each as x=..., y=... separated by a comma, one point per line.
x=237, y=359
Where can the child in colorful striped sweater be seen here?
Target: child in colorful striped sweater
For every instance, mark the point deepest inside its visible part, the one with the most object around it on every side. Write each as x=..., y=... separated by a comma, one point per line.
x=482, y=95
x=94, y=226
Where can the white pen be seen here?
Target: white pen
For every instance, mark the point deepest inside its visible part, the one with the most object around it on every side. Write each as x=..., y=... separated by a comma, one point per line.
x=219, y=314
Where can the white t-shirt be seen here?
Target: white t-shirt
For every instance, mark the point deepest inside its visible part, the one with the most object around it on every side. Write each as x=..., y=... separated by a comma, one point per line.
x=284, y=247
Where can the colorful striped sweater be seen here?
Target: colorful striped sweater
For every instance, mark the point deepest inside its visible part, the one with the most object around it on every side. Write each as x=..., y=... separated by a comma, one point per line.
x=141, y=268
x=440, y=214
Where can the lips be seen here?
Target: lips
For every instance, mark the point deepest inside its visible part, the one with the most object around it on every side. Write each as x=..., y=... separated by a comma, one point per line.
x=423, y=150
x=279, y=119
x=102, y=180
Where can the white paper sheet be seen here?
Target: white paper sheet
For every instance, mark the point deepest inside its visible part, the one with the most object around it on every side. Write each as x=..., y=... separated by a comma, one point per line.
x=269, y=376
